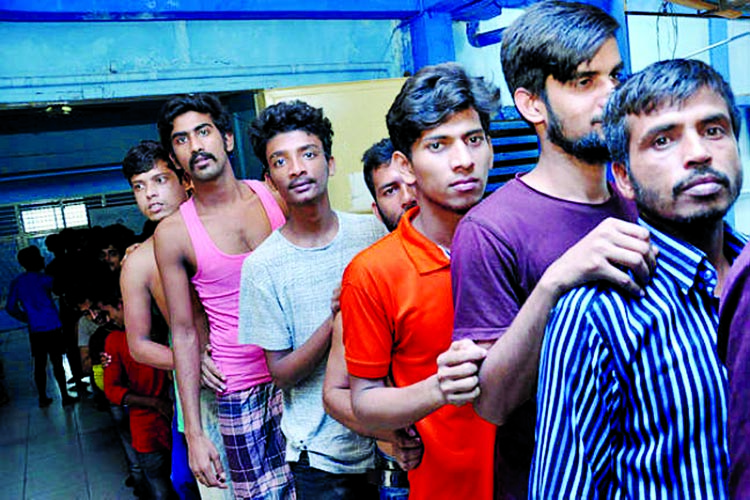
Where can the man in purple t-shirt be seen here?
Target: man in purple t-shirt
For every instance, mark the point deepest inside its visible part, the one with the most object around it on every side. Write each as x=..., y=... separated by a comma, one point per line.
x=558, y=226
x=734, y=348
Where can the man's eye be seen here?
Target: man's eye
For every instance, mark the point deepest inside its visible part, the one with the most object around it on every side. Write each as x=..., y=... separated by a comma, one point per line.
x=203, y=132
x=661, y=142
x=476, y=139
x=180, y=140
x=137, y=187
x=278, y=162
x=715, y=131
x=434, y=146
x=308, y=155
x=390, y=191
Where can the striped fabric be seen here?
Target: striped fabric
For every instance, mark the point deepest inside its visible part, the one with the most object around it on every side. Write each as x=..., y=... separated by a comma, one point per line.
x=632, y=395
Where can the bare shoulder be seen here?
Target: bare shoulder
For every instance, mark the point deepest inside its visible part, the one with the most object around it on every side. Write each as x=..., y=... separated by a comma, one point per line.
x=140, y=266
x=171, y=233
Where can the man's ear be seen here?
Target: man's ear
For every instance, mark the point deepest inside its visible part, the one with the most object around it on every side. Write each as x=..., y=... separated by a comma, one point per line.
x=331, y=166
x=623, y=181
x=531, y=106
x=376, y=212
x=228, y=141
x=404, y=166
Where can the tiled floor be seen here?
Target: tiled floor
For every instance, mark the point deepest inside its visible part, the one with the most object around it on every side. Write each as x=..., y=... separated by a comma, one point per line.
x=55, y=452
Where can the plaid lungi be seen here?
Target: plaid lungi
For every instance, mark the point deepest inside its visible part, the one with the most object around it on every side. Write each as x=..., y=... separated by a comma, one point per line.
x=250, y=426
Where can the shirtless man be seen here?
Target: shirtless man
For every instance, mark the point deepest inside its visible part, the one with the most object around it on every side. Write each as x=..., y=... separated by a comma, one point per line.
x=206, y=243
x=159, y=189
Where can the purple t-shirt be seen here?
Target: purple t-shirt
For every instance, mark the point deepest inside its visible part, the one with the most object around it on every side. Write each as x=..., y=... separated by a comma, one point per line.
x=734, y=328
x=500, y=250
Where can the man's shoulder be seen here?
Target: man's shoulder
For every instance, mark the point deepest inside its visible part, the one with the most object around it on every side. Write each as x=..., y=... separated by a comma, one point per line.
x=140, y=265
x=365, y=226
x=599, y=302
x=385, y=256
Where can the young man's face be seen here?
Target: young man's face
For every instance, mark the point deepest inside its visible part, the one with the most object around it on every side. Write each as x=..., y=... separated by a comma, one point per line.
x=111, y=256
x=684, y=161
x=450, y=162
x=574, y=108
x=158, y=192
x=298, y=167
x=199, y=147
x=114, y=314
x=87, y=308
x=393, y=196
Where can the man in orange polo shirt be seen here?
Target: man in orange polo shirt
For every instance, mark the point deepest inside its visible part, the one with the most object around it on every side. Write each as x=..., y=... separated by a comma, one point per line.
x=396, y=297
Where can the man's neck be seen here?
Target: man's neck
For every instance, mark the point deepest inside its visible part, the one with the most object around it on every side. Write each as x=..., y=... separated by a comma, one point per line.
x=436, y=223
x=708, y=238
x=311, y=225
x=224, y=189
x=561, y=175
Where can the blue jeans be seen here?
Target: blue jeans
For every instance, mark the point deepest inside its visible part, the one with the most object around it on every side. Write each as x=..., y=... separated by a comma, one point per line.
x=122, y=426
x=315, y=484
x=156, y=466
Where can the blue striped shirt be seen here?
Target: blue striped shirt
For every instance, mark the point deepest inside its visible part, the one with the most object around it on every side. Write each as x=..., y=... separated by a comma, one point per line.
x=632, y=399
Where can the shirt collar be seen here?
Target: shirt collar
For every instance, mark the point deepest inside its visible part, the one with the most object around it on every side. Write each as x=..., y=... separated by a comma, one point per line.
x=686, y=263
x=426, y=255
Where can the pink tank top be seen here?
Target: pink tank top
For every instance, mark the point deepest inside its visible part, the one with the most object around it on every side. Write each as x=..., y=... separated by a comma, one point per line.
x=217, y=282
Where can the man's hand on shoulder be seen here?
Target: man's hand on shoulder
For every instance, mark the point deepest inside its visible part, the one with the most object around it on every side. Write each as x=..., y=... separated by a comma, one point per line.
x=458, y=371
x=606, y=253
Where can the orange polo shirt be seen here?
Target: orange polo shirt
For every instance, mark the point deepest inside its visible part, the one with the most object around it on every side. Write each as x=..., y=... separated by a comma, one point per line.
x=398, y=317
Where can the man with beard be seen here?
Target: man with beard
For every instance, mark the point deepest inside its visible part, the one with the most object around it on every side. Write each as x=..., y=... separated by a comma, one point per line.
x=205, y=244
x=544, y=232
x=391, y=195
x=632, y=394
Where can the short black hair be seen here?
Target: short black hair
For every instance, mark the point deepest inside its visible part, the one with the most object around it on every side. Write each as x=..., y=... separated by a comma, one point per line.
x=432, y=96
x=289, y=116
x=200, y=103
x=30, y=258
x=143, y=156
x=664, y=83
x=552, y=37
x=378, y=155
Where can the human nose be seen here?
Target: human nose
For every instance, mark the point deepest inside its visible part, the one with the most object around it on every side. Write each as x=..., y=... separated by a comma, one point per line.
x=694, y=150
x=150, y=190
x=461, y=157
x=408, y=195
x=296, y=167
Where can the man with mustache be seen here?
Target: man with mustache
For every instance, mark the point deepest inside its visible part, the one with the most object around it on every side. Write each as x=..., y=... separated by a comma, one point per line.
x=285, y=300
x=632, y=394
x=205, y=244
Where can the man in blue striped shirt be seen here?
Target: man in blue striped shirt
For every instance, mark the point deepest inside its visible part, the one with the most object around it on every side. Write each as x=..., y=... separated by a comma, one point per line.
x=632, y=394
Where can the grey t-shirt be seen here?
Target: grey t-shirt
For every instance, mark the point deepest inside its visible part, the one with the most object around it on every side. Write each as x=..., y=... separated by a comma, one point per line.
x=285, y=295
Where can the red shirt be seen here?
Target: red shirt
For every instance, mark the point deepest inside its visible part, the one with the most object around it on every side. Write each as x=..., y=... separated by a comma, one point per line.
x=150, y=429
x=398, y=317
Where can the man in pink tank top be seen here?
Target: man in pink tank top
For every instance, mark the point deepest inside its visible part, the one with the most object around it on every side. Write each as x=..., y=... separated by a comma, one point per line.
x=205, y=244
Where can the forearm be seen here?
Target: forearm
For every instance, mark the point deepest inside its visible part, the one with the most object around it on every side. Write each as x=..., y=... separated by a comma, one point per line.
x=508, y=375
x=381, y=408
x=150, y=353
x=290, y=368
x=133, y=399
x=187, y=349
x=338, y=404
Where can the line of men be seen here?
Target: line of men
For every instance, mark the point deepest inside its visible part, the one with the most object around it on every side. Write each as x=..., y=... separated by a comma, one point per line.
x=596, y=300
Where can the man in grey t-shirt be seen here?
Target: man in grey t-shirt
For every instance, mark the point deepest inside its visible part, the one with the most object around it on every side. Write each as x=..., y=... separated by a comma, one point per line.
x=286, y=303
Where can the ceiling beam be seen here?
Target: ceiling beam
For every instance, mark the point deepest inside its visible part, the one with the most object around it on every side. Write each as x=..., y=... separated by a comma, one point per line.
x=144, y=10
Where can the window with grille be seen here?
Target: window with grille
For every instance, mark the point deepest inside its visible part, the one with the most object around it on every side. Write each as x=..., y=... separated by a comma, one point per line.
x=54, y=217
